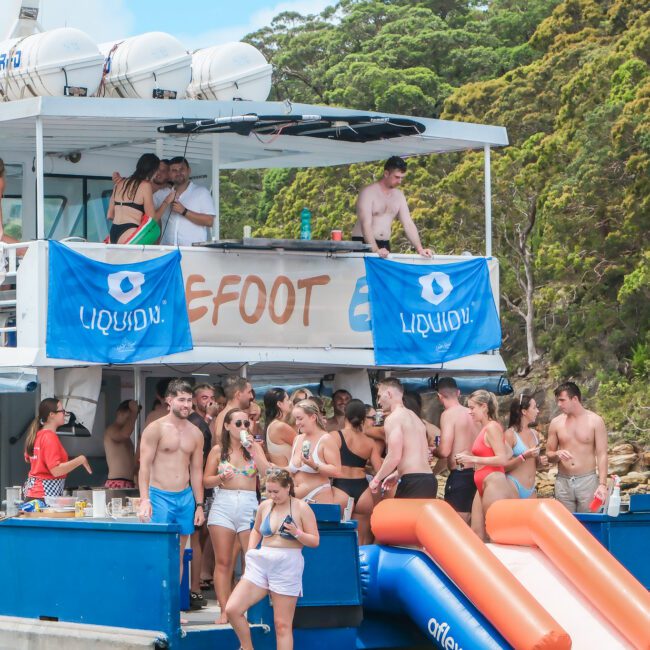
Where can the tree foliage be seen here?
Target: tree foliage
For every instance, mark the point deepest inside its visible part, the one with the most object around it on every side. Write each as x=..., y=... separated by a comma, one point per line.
x=571, y=82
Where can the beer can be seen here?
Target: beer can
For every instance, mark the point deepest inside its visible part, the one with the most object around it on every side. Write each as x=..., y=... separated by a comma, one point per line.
x=31, y=506
x=306, y=448
x=437, y=441
x=243, y=436
x=79, y=507
x=378, y=418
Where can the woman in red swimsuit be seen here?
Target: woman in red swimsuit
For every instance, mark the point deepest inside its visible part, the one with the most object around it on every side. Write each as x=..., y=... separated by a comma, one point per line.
x=489, y=455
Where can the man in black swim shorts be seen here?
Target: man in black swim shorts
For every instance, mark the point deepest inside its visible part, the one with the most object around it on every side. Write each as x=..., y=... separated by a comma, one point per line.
x=407, y=447
x=457, y=433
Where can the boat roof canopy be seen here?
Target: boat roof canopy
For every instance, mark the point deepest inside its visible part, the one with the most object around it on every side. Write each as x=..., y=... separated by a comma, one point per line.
x=329, y=135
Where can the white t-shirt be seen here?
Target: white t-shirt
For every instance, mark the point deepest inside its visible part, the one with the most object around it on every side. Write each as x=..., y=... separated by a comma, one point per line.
x=179, y=230
x=160, y=196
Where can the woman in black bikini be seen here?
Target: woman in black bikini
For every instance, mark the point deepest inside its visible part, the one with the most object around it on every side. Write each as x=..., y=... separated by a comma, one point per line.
x=357, y=450
x=132, y=198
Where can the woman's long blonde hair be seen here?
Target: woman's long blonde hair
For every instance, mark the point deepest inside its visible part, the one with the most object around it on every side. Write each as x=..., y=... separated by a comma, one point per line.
x=45, y=408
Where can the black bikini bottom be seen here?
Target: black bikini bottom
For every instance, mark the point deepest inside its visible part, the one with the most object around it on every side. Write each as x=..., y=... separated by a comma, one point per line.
x=117, y=230
x=353, y=487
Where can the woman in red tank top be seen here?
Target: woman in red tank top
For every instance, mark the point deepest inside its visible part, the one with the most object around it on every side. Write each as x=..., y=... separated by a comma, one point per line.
x=489, y=455
x=48, y=460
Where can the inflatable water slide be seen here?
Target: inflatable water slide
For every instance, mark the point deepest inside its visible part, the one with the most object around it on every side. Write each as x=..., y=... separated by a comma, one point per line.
x=543, y=583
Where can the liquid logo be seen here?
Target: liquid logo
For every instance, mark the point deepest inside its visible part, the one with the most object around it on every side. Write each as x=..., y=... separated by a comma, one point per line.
x=124, y=286
x=440, y=632
x=436, y=287
x=117, y=280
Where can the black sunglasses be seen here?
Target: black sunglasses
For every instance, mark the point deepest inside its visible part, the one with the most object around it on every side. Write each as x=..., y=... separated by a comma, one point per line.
x=61, y=411
x=246, y=423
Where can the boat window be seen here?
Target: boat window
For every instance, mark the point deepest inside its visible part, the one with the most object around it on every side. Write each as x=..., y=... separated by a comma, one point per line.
x=12, y=203
x=82, y=207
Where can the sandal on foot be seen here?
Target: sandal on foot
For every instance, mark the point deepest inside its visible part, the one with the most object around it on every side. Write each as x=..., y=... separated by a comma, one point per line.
x=207, y=585
x=196, y=600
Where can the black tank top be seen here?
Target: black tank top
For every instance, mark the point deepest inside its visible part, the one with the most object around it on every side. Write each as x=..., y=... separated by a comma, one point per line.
x=349, y=458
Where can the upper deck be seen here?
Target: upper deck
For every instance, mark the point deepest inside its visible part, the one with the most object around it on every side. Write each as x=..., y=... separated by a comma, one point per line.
x=278, y=307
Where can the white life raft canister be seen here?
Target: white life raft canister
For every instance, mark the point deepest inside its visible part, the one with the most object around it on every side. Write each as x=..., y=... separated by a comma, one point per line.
x=63, y=61
x=230, y=71
x=152, y=65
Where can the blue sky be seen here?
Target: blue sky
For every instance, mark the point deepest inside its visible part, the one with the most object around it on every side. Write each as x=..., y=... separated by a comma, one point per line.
x=196, y=23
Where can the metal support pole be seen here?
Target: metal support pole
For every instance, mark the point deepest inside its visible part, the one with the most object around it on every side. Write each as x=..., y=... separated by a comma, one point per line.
x=160, y=148
x=138, y=394
x=40, y=186
x=216, y=163
x=488, y=202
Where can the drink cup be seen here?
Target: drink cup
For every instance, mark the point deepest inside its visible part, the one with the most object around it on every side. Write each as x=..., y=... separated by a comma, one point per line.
x=596, y=504
x=306, y=448
x=337, y=235
x=99, y=504
x=114, y=508
x=13, y=499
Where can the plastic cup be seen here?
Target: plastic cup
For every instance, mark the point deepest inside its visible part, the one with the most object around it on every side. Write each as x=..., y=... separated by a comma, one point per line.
x=596, y=504
x=337, y=235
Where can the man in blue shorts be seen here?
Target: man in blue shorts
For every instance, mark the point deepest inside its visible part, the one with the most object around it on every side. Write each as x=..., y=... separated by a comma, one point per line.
x=171, y=459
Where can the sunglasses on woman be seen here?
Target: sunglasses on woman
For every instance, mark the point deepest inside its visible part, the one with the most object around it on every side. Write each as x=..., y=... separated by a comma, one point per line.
x=276, y=471
x=246, y=423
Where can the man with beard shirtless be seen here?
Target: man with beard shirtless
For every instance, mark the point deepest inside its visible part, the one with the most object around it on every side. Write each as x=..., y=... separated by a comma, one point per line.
x=118, y=446
x=457, y=433
x=577, y=441
x=407, y=447
x=171, y=458
x=379, y=204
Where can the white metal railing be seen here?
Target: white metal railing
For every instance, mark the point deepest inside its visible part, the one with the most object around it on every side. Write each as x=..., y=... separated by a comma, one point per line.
x=8, y=268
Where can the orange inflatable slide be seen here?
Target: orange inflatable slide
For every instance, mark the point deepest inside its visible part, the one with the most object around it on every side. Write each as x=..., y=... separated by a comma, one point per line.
x=568, y=561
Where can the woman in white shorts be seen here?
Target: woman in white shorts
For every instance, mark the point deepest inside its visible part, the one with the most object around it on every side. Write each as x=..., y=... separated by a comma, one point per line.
x=232, y=468
x=284, y=525
x=312, y=471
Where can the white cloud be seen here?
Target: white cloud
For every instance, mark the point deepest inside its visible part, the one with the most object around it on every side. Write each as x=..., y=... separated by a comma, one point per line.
x=101, y=20
x=110, y=20
x=257, y=20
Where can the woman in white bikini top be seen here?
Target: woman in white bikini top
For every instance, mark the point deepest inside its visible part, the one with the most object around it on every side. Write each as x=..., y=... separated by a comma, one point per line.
x=280, y=435
x=312, y=473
